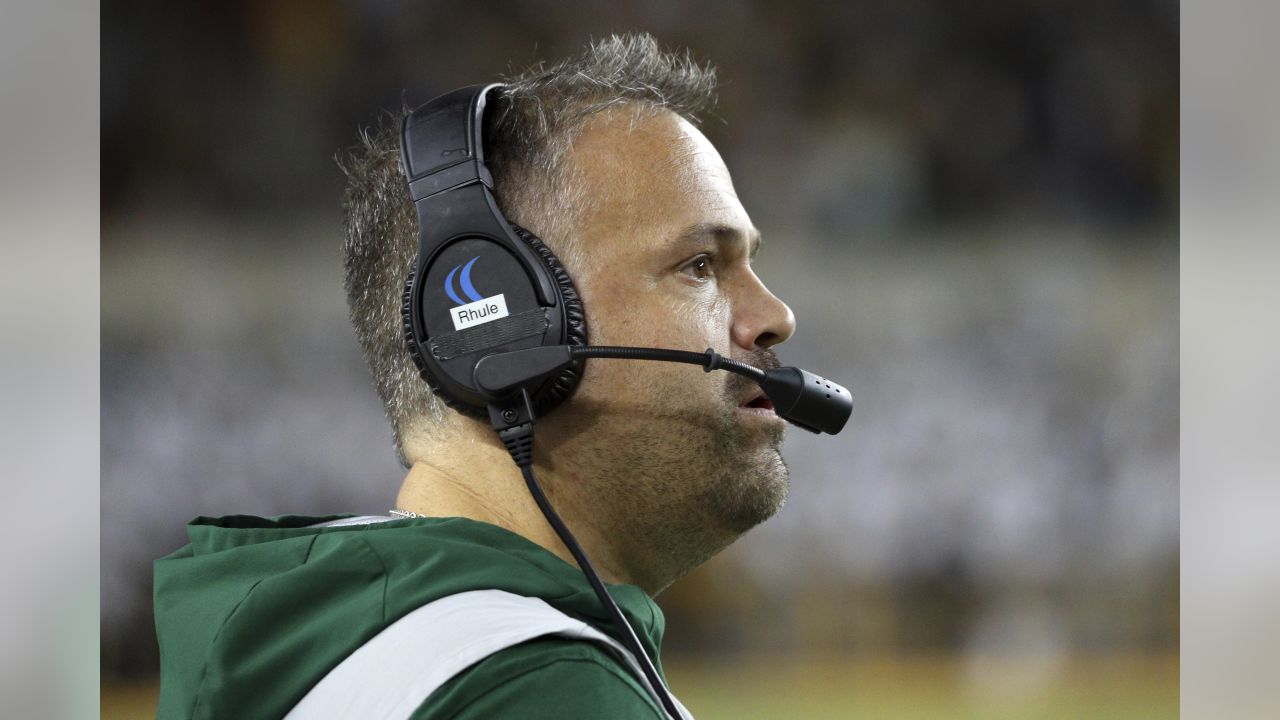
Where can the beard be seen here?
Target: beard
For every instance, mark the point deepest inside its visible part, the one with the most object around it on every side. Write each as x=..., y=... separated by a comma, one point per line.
x=679, y=481
x=750, y=477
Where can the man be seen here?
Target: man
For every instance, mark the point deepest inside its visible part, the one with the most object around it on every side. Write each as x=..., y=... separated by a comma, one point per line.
x=655, y=467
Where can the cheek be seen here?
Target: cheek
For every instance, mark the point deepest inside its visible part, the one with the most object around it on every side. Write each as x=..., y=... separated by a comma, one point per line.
x=656, y=315
x=607, y=323
x=704, y=323
x=650, y=319
x=691, y=324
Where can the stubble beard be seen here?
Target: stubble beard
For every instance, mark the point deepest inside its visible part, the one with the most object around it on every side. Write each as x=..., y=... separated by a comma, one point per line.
x=682, y=485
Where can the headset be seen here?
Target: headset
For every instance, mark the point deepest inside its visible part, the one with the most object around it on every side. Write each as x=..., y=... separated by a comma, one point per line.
x=496, y=328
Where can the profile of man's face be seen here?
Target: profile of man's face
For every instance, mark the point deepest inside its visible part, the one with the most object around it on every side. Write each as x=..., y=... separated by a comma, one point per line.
x=668, y=248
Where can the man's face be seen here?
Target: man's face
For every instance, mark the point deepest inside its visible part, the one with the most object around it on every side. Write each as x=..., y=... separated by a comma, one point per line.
x=668, y=249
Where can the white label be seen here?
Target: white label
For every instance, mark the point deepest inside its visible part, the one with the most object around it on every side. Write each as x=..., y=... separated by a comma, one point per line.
x=478, y=312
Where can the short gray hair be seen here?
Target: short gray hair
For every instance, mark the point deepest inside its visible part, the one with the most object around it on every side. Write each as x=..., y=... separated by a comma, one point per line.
x=530, y=128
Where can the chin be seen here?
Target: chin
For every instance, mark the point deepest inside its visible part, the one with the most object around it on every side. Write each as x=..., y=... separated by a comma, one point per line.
x=756, y=494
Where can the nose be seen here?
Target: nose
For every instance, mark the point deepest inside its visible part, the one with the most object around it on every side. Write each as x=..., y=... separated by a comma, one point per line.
x=760, y=319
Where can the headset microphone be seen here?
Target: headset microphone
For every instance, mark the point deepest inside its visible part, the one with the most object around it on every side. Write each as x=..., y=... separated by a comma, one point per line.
x=798, y=396
x=497, y=329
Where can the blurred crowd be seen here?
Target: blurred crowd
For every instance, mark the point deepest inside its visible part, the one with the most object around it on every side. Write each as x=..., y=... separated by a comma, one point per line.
x=859, y=115
x=970, y=206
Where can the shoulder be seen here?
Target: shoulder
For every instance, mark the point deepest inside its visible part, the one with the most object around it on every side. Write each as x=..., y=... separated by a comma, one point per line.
x=543, y=678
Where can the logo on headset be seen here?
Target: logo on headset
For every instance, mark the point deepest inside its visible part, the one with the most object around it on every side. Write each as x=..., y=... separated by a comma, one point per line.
x=474, y=310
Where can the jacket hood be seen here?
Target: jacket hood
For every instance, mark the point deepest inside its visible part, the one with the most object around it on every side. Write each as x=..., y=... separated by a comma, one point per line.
x=254, y=611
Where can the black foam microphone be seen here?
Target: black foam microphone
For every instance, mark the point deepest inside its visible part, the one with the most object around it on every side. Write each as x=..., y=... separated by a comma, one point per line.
x=798, y=396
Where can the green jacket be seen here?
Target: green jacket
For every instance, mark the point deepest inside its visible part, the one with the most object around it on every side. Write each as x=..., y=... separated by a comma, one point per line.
x=255, y=611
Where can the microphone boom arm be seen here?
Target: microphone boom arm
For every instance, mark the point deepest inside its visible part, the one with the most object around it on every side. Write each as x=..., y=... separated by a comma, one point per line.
x=798, y=396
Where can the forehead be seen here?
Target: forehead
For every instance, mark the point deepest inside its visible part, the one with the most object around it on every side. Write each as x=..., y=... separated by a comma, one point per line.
x=647, y=178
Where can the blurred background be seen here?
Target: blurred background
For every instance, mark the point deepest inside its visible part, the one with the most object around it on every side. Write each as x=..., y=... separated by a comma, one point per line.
x=971, y=208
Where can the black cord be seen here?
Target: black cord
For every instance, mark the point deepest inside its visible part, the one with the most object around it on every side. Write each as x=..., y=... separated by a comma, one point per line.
x=518, y=439
x=709, y=360
x=615, y=614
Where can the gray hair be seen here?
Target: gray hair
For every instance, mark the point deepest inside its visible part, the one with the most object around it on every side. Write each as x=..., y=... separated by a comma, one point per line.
x=530, y=129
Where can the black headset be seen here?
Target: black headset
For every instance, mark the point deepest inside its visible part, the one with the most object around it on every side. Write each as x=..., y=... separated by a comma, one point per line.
x=479, y=283
x=496, y=327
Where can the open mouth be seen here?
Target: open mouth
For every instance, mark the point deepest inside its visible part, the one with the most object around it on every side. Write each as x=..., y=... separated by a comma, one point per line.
x=759, y=401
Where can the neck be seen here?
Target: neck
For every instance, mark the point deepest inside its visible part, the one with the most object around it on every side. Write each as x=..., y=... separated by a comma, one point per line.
x=482, y=483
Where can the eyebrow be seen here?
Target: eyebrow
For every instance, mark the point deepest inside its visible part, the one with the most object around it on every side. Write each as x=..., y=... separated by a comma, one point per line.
x=695, y=235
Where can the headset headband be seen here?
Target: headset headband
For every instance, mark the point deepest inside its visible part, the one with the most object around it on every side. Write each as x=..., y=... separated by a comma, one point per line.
x=442, y=144
x=442, y=148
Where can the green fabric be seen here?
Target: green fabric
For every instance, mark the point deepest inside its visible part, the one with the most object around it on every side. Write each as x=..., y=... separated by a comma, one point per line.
x=549, y=678
x=255, y=611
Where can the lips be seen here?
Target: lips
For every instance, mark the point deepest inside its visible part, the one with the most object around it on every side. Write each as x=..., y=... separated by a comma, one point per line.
x=757, y=400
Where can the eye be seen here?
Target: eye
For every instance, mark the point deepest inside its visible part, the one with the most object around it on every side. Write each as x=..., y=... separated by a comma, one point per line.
x=699, y=268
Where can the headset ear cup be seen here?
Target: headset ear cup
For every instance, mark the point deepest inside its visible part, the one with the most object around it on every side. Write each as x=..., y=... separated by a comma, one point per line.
x=415, y=353
x=558, y=389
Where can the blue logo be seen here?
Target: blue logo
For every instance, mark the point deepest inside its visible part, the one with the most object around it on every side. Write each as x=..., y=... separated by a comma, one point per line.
x=467, y=288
